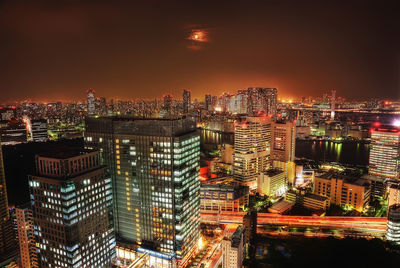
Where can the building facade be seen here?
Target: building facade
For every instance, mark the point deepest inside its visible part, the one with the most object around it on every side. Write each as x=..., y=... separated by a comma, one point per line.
x=271, y=182
x=233, y=249
x=307, y=200
x=90, y=102
x=343, y=191
x=39, y=130
x=223, y=198
x=283, y=143
x=393, y=225
x=252, y=150
x=155, y=169
x=186, y=101
x=384, y=156
x=26, y=237
x=8, y=243
x=71, y=197
x=262, y=100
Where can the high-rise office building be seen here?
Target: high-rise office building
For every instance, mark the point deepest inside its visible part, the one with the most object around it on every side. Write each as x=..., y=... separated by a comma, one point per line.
x=393, y=225
x=39, y=130
x=252, y=150
x=262, y=100
x=26, y=237
x=186, y=101
x=283, y=143
x=167, y=109
x=71, y=197
x=8, y=247
x=208, y=102
x=90, y=101
x=384, y=156
x=155, y=169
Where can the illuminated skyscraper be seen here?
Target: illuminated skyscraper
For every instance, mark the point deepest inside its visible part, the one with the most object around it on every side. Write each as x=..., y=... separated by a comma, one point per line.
x=252, y=149
x=384, y=156
x=91, y=108
x=26, y=237
x=262, y=100
x=154, y=164
x=72, y=202
x=167, y=106
x=186, y=101
x=208, y=102
x=7, y=237
x=283, y=143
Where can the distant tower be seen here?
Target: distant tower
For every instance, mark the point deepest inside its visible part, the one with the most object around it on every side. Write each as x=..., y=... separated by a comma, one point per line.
x=208, y=102
x=90, y=102
x=333, y=103
x=186, y=101
x=262, y=100
x=167, y=105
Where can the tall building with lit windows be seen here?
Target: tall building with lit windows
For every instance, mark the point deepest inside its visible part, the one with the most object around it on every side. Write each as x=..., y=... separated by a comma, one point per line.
x=90, y=102
x=26, y=237
x=186, y=101
x=262, y=100
x=252, y=149
x=155, y=169
x=384, y=156
x=71, y=197
x=8, y=243
x=283, y=143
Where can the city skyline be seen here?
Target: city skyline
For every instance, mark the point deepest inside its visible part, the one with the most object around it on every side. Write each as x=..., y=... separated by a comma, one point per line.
x=199, y=134
x=300, y=48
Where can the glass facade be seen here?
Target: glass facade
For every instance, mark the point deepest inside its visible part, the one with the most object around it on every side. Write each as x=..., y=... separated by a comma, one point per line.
x=72, y=205
x=155, y=165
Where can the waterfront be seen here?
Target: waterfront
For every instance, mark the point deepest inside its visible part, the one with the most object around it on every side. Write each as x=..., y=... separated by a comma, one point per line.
x=348, y=152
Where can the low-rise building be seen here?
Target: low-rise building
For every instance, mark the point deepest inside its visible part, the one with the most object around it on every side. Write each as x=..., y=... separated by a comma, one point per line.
x=232, y=249
x=223, y=198
x=307, y=199
x=281, y=207
x=343, y=190
x=271, y=182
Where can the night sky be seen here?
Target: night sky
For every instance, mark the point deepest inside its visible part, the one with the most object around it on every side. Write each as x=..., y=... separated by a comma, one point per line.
x=55, y=50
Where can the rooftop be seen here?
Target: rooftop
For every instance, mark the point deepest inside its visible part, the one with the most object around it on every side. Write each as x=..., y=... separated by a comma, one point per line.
x=347, y=179
x=273, y=172
x=65, y=153
x=223, y=187
x=237, y=236
x=316, y=197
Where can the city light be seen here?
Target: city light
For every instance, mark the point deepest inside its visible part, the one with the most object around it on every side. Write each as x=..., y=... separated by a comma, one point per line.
x=199, y=134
